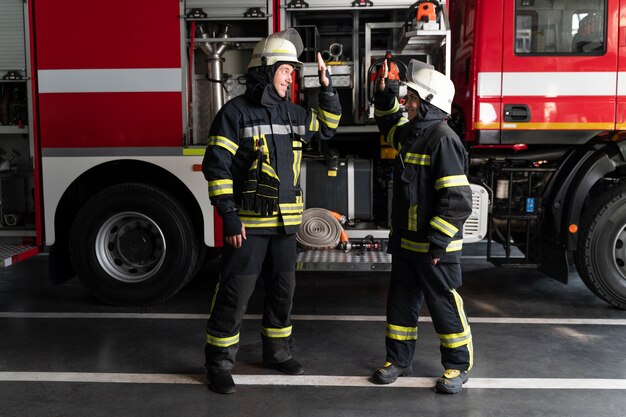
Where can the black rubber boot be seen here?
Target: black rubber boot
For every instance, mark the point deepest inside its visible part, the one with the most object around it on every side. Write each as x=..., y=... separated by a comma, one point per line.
x=221, y=381
x=389, y=373
x=451, y=381
x=277, y=355
x=289, y=367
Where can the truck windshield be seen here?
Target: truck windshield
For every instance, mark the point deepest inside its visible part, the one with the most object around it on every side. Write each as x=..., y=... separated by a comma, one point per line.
x=568, y=27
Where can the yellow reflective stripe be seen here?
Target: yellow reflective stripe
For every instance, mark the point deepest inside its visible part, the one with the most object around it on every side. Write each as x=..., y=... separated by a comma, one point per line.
x=267, y=168
x=392, y=132
x=292, y=219
x=392, y=110
x=423, y=247
x=276, y=333
x=455, y=245
x=223, y=142
x=314, y=126
x=291, y=208
x=443, y=226
x=461, y=309
x=217, y=288
x=329, y=119
x=272, y=221
x=417, y=159
x=264, y=147
x=222, y=341
x=412, y=225
x=451, y=181
x=220, y=187
x=296, y=145
x=454, y=340
x=400, y=332
x=419, y=247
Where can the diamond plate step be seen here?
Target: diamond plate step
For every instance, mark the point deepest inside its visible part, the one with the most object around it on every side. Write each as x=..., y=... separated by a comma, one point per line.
x=337, y=260
x=7, y=252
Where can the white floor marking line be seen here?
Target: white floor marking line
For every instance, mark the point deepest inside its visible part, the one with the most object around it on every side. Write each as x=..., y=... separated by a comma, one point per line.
x=313, y=380
x=308, y=317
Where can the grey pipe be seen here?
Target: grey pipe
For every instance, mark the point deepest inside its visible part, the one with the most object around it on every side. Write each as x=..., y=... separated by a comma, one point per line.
x=214, y=51
x=335, y=50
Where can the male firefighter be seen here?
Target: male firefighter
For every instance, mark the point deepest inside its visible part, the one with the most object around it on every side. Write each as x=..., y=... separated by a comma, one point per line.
x=431, y=201
x=252, y=165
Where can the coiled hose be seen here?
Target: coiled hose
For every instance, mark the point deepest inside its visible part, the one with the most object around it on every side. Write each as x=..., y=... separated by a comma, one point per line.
x=320, y=229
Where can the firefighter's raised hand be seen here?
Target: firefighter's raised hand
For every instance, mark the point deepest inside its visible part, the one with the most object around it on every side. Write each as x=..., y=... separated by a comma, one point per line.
x=381, y=81
x=322, y=72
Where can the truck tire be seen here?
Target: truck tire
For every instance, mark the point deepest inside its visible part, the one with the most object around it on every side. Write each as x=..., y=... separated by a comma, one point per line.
x=133, y=244
x=601, y=253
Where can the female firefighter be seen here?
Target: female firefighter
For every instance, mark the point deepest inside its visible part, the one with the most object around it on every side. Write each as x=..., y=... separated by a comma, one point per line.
x=431, y=201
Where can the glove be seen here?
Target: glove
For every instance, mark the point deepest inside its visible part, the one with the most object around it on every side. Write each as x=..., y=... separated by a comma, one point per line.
x=436, y=251
x=329, y=88
x=231, y=224
x=249, y=187
x=266, y=197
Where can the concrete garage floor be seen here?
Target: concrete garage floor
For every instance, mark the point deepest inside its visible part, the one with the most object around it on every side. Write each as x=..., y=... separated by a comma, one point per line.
x=541, y=349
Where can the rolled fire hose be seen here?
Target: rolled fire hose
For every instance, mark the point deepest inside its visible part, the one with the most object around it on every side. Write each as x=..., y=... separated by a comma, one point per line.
x=319, y=229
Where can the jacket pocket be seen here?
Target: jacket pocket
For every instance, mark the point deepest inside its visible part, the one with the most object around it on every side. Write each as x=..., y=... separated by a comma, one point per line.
x=409, y=185
x=409, y=209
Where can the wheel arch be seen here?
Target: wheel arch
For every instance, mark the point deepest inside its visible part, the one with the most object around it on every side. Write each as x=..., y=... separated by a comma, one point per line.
x=581, y=173
x=104, y=175
x=570, y=190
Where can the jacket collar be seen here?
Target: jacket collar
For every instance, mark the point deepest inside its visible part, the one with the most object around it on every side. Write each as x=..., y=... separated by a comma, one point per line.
x=260, y=87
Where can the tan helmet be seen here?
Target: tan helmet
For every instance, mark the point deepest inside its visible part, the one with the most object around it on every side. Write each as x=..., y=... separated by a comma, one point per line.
x=284, y=46
x=431, y=85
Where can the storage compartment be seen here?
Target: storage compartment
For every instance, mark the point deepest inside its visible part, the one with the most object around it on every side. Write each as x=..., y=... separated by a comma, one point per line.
x=347, y=191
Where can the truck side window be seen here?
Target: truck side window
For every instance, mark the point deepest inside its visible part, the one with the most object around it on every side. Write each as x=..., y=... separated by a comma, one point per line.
x=568, y=27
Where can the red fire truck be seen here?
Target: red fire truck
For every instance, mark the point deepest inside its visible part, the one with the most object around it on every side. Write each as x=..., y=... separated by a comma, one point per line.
x=106, y=110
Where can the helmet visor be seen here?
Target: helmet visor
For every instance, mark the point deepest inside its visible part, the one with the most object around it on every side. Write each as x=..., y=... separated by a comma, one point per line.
x=290, y=35
x=414, y=66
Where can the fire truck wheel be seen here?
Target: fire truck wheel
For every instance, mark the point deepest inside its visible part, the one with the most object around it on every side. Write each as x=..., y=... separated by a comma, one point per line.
x=601, y=254
x=133, y=244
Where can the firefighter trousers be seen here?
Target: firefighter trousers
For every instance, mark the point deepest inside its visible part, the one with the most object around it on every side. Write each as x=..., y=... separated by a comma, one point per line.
x=412, y=282
x=275, y=256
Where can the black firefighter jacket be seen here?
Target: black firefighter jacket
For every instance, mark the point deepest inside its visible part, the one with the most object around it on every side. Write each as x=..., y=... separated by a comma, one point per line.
x=431, y=194
x=261, y=117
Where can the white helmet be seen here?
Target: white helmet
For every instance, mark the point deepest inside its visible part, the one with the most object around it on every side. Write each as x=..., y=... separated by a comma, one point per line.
x=285, y=46
x=431, y=85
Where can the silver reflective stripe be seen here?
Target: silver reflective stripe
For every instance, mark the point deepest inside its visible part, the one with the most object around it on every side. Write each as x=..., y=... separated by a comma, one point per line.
x=451, y=181
x=412, y=224
x=259, y=130
x=276, y=333
x=395, y=108
x=220, y=187
x=401, y=332
x=423, y=247
x=223, y=142
x=222, y=341
x=392, y=132
x=443, y=226
x=454, y=342
x=417, y=159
